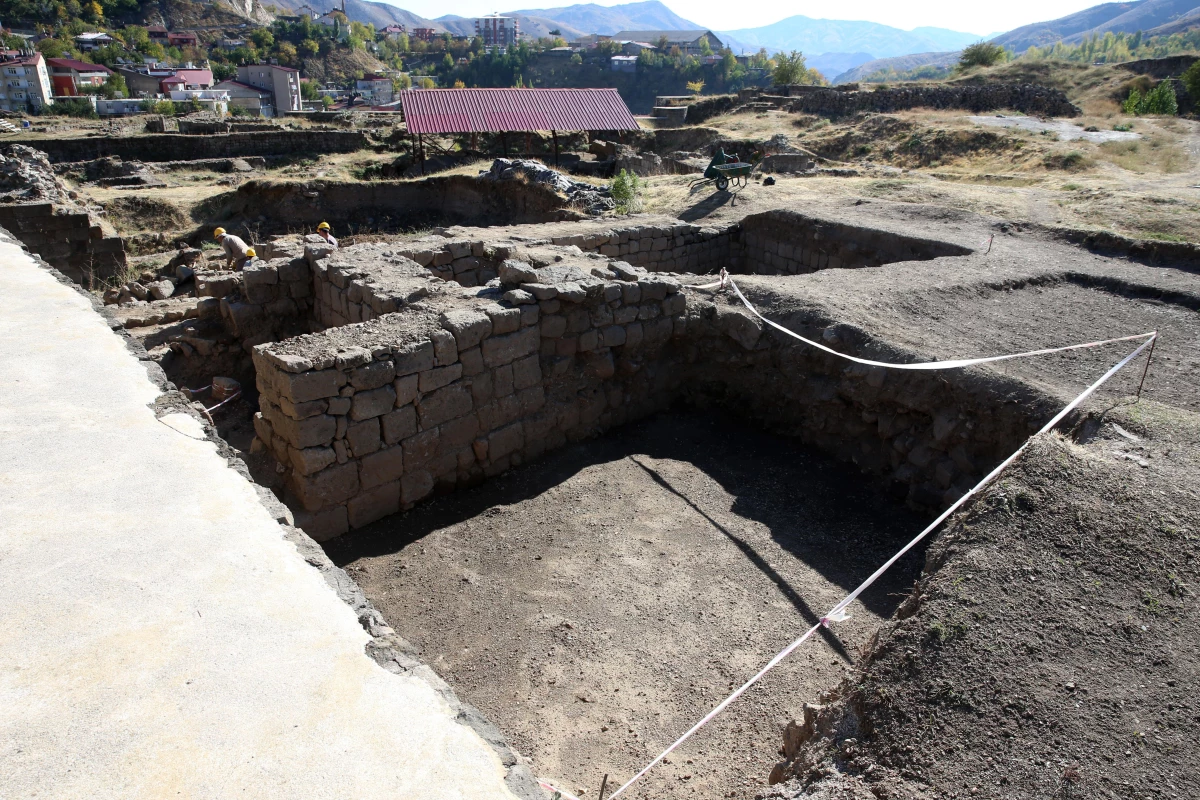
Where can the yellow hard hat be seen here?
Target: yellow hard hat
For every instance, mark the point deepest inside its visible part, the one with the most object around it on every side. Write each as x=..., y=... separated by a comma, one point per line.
x=218, y=233
x=250, y=252
x=324, y=226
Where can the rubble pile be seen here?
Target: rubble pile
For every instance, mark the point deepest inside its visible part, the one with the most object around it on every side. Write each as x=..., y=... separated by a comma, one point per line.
x=594, y=199
x=26, y=177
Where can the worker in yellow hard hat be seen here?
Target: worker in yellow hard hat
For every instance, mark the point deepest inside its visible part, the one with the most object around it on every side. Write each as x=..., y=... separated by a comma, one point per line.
x=325, y=233
x=237, y=253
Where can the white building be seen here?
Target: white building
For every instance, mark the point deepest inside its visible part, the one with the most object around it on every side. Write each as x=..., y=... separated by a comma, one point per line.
x=375, y=89
x=282, y=82
x=26, y=83
x=92, y=41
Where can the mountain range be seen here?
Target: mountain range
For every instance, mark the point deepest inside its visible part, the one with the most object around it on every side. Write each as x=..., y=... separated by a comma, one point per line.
x=1139, y=15
x=843, y=48
x=849, y=36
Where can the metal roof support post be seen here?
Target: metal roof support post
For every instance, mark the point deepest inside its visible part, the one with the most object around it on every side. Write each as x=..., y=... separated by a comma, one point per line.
x=421, y=150
x=554, y=135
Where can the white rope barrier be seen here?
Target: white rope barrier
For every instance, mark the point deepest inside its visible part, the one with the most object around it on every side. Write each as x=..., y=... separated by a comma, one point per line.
x=838, y=613
x=726, y=281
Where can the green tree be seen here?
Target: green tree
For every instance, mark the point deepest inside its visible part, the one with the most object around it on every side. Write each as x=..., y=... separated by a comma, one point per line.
x=308, y=91
x=982, y=54
x=309, y=48
x=789, y=68
x=1191, y=81
x=262, y=38
x=705, y=47
x=626, y=190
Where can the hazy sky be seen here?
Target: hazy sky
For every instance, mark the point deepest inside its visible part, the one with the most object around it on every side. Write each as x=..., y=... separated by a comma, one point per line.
x=972, y=17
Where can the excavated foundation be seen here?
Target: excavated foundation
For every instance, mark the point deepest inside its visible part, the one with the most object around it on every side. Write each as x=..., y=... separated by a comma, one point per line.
x=599, y=599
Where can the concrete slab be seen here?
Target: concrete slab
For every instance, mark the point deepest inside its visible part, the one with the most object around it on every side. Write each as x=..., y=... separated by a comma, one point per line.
x=158, y=635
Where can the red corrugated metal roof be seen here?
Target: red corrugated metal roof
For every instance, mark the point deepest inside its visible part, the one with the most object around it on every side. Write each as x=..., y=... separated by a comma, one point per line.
x=503, y=110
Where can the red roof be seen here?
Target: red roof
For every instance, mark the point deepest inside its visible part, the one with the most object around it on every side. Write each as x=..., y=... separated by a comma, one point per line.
x=78, y=66
x=501, y=110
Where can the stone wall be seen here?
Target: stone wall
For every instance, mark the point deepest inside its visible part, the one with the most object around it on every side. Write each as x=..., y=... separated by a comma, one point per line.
x=370, y=418
x=674, y=247
x=789, y=243
x=282, y=206
x=930, y=435
x=1027, y=98
x=69, y=240
x=182, y=147
x=420, y=384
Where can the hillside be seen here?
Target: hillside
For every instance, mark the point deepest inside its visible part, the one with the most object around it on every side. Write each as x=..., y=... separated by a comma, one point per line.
x=538, y=27
x=591, y=18
x=1152, y=17
x=833, y=64
x=1146, y=15
x=369, y=12
x=1185, y=23
x=897, y=64
x=849, y=36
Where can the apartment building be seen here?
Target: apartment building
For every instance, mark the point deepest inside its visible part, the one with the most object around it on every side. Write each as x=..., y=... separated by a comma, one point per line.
x=282, y=82
x=497, y=31
x=26, y=83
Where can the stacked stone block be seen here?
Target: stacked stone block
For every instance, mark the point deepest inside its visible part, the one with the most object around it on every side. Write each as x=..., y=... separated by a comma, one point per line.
x=370, y=418
x=70, y=241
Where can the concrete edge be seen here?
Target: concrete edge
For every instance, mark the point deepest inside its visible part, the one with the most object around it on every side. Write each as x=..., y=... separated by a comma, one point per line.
x=386, y=648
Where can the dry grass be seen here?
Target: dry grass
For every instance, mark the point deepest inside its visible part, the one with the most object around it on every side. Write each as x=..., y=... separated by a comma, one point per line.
x=1154, y=153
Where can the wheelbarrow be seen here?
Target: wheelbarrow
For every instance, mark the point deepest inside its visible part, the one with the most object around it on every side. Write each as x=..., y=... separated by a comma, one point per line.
x=724, y=169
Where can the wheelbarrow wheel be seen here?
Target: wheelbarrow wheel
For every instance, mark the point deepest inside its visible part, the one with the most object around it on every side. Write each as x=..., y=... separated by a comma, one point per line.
x=722, y=183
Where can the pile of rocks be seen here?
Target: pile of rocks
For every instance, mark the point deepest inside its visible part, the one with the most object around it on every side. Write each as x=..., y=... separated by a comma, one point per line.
x=26, y=177
x=593, y=199
x=112, y=171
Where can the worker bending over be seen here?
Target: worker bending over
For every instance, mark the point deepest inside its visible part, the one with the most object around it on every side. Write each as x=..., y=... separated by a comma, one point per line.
x=324, y=232
x=237, y=253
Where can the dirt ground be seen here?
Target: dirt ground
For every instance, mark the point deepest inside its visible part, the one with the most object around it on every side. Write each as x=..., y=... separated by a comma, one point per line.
x=594, y=605
x=1050, y=650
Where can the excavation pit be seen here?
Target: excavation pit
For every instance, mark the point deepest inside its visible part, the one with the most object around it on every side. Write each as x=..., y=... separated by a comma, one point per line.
x=463, y=377
x=595, y=604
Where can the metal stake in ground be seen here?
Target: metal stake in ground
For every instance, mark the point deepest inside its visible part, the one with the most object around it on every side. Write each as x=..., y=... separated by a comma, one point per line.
x=1149, y=358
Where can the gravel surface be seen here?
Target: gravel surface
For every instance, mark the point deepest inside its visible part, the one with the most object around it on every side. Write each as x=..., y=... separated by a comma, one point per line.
x=596, y=604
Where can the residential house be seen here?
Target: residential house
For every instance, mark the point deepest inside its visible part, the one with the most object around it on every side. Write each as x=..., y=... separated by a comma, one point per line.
x=232, y=44
x=424, y=34
x=497, y=31
x=687, y=41
x=590, y=41
x=157, y=34
x=182, y=40
x=26, y=83
x=259, y=102
x=68, y=76
x=624, y=63
x=92, y=41
x=635, y=48
x=148, y=80
x=338, y=20
x=282, y=82
x=392, y=32
x=375, y=89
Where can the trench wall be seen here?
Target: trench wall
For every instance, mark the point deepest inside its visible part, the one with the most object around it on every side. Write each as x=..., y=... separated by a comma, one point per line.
x=70, y=241
x=414, y=387
x=788, y=243
x=428, y=400
x=184, y=147
x=283, y=206
x=930, y=435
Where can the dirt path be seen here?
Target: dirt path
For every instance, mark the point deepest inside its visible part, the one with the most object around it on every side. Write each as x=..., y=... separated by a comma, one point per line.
x=595, y=604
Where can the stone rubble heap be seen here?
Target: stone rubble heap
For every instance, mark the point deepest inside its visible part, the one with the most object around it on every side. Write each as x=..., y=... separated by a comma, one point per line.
x=26, y=177
x=594, y=199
